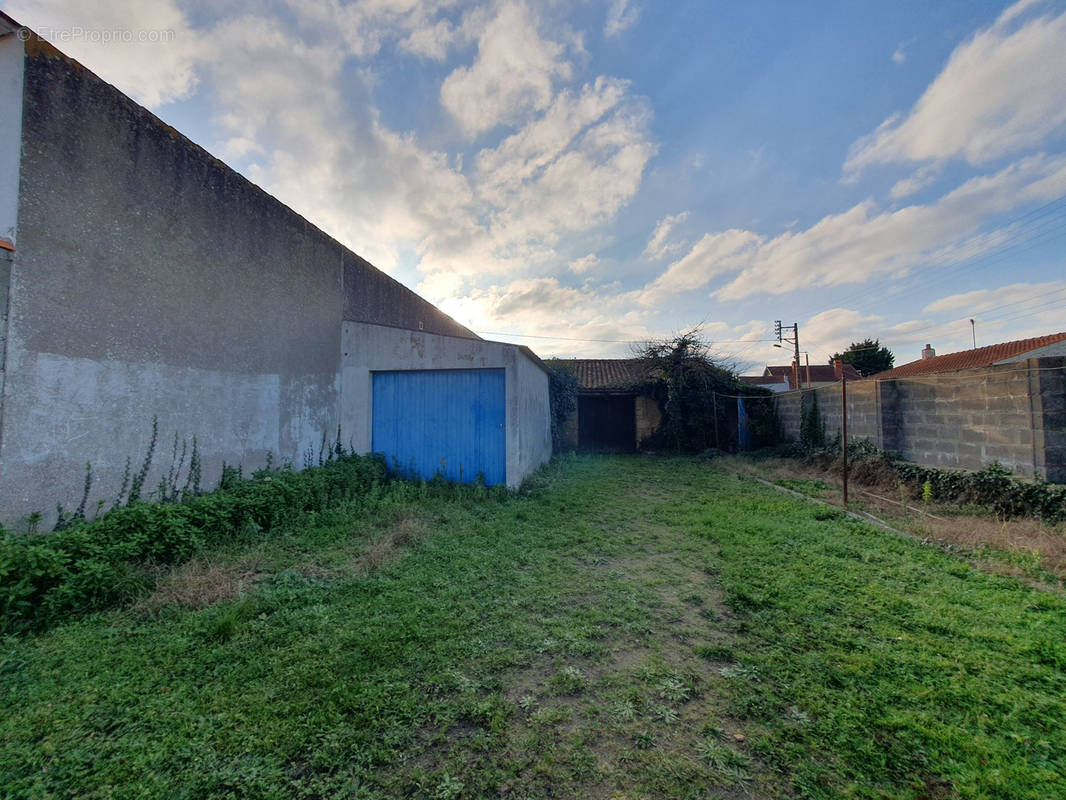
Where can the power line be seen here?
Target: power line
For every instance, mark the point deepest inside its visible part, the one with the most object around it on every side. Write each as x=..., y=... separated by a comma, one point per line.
x=609, y=341
x=1033, y=232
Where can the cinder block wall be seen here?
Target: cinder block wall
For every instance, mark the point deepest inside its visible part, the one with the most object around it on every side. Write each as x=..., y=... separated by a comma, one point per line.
x=1050, y=406
x=1012, y=413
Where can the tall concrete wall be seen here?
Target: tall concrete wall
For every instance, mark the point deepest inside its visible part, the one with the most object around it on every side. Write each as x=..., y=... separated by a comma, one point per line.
x=372, y=348
x=1012, y=413
x=150, y=280
x=10, y=129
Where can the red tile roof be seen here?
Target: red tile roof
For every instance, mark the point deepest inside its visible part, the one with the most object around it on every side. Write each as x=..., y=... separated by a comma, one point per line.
x=761, y=380
x=606, y=373
x=968, y=359
x=820, y=373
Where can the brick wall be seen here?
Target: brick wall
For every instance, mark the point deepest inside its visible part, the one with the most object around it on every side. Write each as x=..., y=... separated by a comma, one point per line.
x=1012, y=413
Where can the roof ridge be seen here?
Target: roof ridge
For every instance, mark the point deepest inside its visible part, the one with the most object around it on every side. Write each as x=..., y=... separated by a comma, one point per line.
x=972, y=358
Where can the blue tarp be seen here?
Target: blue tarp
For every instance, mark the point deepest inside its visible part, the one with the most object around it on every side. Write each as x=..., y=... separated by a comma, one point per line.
x=743, y=428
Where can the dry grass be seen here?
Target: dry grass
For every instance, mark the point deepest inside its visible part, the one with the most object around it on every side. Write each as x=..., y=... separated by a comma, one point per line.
x=1029, y=543
x=200, y=583
x=403, y=532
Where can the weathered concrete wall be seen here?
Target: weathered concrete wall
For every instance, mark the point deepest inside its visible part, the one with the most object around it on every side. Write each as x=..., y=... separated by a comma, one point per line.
x=150, y=280
x=10, y=130
x=1013, y=413
x=532, y=445
x=649, y=418
x=373, y=348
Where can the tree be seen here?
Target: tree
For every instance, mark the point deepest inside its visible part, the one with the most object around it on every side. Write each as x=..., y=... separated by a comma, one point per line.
x=868, y=357
x=684, y=378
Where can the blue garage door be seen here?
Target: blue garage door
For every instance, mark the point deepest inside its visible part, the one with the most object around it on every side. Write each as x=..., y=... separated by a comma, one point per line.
x=447, y=421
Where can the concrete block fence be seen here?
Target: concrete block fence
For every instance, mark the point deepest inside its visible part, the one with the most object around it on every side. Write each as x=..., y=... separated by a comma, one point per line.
x=1012, y=413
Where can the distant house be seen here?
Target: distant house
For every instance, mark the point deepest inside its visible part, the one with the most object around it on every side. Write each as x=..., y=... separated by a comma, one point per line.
x=783, y=379
x=614, y=411
x=930, y=363
x=775, y=383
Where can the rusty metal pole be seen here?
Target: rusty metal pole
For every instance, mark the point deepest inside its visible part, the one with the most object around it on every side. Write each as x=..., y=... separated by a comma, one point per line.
x=844, y=431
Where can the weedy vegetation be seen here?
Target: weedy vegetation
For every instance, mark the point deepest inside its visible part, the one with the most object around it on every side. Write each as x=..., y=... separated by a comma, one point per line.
x=624, y=627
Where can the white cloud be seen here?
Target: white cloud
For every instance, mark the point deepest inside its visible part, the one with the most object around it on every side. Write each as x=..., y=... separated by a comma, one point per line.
x=899, y=55
x=1006, y=300
x=864, y=241
x=526, y=154
x=834, y=330
x=620, y=17
x=145, y=48
x=588, y=322
x=658, y=245
x=580, y=266
x=913, y=183
x=434, y=38
x=715, y=254
x=364, y=27
x=1001, y=92
x=514, y=73
x=432, y=41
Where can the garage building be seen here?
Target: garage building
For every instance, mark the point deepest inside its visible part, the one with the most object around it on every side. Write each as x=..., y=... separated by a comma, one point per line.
x=142, y=279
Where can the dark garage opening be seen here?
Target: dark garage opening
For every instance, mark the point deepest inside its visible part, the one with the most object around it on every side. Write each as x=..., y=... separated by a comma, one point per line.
x=607, y=423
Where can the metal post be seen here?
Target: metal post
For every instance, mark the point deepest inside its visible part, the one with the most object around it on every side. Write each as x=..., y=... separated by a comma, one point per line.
x=714, y=395
x=844, y=431
x=796, y=340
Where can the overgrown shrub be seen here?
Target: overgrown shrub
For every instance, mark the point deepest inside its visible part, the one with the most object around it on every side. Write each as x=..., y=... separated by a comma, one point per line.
x=812, y=426
x=697, y=398
x=993, y=487
x=90, y=565
x=562, y=396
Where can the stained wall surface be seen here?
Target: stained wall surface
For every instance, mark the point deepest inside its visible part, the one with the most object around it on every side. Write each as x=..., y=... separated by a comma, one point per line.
x=150, y=280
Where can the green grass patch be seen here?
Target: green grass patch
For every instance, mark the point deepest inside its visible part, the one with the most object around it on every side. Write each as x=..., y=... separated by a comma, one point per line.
x=630, y=627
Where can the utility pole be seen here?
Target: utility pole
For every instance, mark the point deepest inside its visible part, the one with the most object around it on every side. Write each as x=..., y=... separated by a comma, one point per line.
x=778, y=332
x=844, y=431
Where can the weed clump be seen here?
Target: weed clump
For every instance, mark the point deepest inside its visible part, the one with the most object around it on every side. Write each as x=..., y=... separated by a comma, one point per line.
x=91, y=565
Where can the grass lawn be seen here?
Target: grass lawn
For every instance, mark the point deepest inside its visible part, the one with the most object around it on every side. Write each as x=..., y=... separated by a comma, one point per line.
x=631, y=627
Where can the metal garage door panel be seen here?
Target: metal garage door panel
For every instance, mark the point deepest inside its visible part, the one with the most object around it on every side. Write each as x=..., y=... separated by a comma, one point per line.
x=442, y=421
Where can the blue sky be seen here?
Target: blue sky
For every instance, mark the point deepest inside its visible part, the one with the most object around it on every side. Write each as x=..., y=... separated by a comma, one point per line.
x=579, y=175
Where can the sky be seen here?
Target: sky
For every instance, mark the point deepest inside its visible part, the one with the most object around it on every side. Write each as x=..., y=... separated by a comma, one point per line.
x=587, y=175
